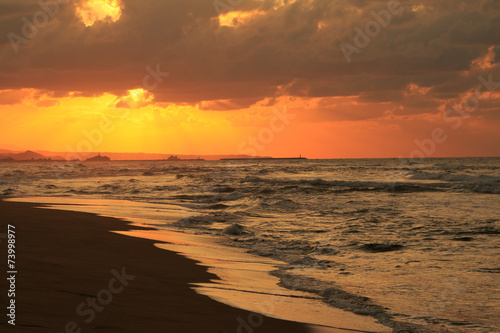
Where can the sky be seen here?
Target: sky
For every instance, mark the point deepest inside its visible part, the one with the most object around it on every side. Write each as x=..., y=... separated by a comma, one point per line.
x=317, y=78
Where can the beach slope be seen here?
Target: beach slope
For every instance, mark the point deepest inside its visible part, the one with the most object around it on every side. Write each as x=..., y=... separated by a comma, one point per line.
x=75, y=275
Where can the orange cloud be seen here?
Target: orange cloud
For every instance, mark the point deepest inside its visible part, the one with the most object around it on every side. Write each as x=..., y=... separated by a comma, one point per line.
x=91, y=11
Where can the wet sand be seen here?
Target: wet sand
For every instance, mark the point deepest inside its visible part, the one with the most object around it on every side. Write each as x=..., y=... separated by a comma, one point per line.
x=75, y=275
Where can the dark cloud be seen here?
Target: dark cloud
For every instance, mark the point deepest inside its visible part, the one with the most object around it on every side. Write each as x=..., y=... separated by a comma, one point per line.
x=292, y=44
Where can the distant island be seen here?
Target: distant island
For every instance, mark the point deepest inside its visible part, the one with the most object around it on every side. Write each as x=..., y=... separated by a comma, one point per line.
x=176, y=158
x=98, y=158
x=28, y=155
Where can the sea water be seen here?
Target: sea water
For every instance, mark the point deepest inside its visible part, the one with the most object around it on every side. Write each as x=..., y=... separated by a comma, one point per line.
x=418, y=242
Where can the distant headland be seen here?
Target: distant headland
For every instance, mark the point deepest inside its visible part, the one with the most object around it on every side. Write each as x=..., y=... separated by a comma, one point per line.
x=49, y=156
x=176, y=158
x=28, y=155
x=98, y=158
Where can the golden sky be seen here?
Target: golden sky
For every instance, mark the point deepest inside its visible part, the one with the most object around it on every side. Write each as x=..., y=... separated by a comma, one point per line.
x=265, y=77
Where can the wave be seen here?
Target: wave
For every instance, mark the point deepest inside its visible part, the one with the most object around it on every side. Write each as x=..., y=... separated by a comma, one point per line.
x=339, y=298
x=167, y=188
x=280, y=204
x=223, y=189
x=487, y=189
x=209, y=198
x=479, y=184
x=347, y=186
x=453, y=177
x=205, y=220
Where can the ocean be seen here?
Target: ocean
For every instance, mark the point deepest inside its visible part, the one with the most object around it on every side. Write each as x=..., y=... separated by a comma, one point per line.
x=410, y=242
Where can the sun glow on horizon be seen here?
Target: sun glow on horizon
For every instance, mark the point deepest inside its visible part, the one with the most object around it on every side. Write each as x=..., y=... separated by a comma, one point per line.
x=99, y=10
x=137, y=122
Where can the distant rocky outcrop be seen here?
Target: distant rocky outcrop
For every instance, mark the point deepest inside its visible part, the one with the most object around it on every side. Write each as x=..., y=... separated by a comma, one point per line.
x=28, y=155
x=98, y=158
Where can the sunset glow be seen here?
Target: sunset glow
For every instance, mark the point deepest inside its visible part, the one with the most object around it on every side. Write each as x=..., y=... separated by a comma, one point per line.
x=194, y=80
x=91, y=11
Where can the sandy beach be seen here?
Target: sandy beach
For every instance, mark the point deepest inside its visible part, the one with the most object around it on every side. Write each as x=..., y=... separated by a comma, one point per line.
x=74, y=275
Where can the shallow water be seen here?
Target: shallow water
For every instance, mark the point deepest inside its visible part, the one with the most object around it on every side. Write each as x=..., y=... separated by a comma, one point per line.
x=244, y=279
x=421, y=239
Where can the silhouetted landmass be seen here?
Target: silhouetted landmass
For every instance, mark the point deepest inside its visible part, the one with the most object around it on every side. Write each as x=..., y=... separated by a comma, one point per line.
x=98, y=158
x=176, y=158
x=28, y=155
x=42, y=155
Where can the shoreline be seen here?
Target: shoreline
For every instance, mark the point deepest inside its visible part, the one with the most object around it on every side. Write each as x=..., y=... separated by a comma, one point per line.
x=74, y=273
x=243, y=281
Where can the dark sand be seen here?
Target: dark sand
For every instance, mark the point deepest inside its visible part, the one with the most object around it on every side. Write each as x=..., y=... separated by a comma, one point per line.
x=63, y=258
